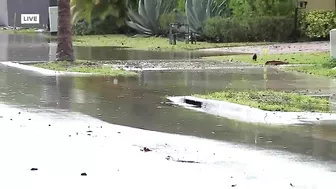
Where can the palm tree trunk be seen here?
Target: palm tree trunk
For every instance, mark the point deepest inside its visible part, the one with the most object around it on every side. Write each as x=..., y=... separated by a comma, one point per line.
x=64, y=50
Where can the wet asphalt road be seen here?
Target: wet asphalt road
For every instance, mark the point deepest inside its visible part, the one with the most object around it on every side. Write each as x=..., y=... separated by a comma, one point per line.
x=140, y=102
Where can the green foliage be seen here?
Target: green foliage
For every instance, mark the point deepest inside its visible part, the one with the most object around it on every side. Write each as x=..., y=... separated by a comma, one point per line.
x=276, y=28
x=317, y=24
x=198, y=12
x=165, y=20
x=91, y=9
x=97, y=26
x=256, y=8
x=146, y=19
x=225, y=30
x=181, y=5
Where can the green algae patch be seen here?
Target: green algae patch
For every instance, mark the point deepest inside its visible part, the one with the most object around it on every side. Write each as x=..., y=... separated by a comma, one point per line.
x=85, y=67
x=272, y=100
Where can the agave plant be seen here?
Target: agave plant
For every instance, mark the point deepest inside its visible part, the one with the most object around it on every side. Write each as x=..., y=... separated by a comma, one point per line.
x=197, y=12
x=146, y=20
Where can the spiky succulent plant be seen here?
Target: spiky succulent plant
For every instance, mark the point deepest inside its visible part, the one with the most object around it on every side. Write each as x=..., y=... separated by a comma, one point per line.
x=198, y=11
x=146, y=19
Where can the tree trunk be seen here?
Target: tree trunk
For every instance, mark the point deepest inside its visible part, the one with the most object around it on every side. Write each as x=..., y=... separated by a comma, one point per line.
x=64, y=50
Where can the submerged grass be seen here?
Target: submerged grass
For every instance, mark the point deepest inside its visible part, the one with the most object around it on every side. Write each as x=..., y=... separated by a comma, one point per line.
x=19, y=31
x=148, y=43
x=272, y=100
x=85, y=67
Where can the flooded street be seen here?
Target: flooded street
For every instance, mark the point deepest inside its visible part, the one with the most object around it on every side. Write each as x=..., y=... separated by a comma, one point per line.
x=140, y=102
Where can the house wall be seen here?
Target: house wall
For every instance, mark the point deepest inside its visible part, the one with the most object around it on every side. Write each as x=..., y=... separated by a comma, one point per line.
x=3, y=13
x=321, y=5
x=28, y=7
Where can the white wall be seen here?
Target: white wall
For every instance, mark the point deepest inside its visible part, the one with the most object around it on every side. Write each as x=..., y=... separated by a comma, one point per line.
x=3, y=13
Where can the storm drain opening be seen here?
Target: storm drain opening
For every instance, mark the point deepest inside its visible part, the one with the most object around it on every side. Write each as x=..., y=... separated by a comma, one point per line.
x=194, y=103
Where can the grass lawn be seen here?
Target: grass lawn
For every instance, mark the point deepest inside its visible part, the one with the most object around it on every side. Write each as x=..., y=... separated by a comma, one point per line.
x=318, y=69
x=312, y=63
x=292, y=58
x=139, y=43
x=272, y=100
x=85, y=67
x=19, y=31
x=147, y=43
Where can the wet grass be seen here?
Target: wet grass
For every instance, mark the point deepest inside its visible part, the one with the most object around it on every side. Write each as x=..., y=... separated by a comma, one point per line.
x=148, y=43
x=19, y=31
x=272, y=100
x=85, y=67
x=312, y=63
x=325, y=69
x=292, y=58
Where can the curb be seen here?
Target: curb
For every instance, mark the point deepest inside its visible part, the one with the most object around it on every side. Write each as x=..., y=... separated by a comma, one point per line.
x=249, y=114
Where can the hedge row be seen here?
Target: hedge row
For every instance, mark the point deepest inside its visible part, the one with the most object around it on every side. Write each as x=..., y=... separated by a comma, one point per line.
x=253, y=29
x=317, y=24
x=313, y=25
x=98, y=26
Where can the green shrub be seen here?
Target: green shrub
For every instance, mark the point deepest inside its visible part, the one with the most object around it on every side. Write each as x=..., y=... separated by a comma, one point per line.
x=276, y=28
x=98, y=26
x=165, y=20
x=258, y=8
x=317, y=24
x=224, y=30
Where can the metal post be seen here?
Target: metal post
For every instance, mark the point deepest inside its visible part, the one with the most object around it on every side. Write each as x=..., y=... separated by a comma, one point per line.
x=187, y=35
x=170, y=34
x=174, y=39
x=192, y=38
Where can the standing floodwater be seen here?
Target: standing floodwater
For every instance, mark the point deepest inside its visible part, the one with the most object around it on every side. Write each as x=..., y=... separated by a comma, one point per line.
x=41, y=48
x=139, y=102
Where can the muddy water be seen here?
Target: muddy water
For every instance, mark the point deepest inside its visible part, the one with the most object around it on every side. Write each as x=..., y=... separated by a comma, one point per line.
x=138, y=102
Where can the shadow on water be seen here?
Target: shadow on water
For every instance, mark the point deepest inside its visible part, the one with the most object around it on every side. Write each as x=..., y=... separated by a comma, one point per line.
x=38, y=48
x=139, y=103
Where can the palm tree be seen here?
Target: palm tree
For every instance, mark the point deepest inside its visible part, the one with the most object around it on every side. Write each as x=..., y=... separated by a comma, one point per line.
x=64, y=50
x=90, y=9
